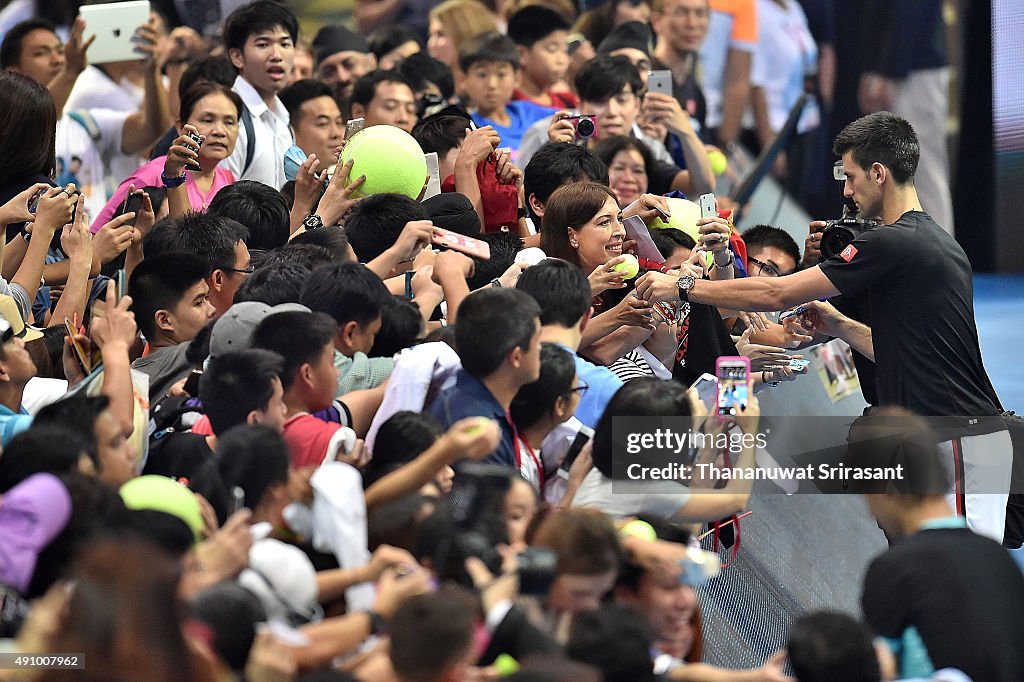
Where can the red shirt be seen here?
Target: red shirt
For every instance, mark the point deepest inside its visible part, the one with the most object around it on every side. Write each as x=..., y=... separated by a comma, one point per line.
x=309, y=439
x=559, y=100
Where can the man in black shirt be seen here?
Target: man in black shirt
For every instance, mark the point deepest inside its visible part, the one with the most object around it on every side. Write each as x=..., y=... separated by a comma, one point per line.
x=921, y=333
x=942, y=596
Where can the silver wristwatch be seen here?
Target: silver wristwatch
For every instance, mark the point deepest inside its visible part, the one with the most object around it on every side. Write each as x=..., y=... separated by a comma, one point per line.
x=684, y=284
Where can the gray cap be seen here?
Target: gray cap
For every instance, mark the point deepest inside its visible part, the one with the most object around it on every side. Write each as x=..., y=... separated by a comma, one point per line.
x=233, y=331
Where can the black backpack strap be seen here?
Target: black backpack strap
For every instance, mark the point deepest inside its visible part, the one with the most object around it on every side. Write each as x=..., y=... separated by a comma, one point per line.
x=250, y=139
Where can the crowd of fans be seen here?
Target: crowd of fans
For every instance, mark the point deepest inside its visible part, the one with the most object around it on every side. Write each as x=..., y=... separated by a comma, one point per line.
x=260, y=424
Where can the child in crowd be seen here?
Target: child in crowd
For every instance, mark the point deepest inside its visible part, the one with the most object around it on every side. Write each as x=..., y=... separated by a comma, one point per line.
x=491, y=66
x=541, y=36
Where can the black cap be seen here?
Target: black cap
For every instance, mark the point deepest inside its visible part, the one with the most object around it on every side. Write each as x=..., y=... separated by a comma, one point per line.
x=455, y=212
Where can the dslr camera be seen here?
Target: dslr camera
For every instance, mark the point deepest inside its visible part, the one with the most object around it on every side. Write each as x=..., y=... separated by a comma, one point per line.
x=838, y=234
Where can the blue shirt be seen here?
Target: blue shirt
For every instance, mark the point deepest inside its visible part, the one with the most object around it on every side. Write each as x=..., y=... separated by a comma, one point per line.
x=523, y=114
x=603, y=384
x=13, y=423
x=470, y=398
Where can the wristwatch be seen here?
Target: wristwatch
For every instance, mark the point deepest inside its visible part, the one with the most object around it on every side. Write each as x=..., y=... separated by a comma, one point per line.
x=377, y=623
x=173, y=182
x=312, y=222
x=727, y=263
x=684, y=284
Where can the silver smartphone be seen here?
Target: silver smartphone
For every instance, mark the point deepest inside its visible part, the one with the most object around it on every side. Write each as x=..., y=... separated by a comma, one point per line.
x=660, y=81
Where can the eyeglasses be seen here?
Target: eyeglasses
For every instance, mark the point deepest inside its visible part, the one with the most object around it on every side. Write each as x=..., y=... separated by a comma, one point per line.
x=248, y=270
x=581, y=388
x=766, y=269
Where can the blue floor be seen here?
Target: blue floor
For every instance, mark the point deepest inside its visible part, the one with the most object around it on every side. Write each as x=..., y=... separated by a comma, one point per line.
x=999, y=311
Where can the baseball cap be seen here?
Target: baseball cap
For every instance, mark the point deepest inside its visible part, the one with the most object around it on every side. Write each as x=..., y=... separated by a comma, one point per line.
x=284, y=579
x=233, y=331
x=164, y=494
x=33, y=513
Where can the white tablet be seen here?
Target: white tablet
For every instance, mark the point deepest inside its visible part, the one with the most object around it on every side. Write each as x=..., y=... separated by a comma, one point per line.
x=114, y=25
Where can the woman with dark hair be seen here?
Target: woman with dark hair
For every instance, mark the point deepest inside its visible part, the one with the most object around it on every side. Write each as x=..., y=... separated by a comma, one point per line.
x=589, y=559
x=665, y=498
x=28, y=120
x=211, y=111
x=581, y=225
x=630, y=164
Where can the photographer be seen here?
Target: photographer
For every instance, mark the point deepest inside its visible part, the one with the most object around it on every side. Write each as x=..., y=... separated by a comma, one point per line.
x=917, y=280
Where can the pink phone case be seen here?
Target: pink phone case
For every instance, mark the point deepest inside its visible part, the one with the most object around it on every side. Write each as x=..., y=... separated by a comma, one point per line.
x=460, y=242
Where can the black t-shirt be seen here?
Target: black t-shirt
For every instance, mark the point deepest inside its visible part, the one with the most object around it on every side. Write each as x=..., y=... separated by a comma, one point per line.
x=702, y=338
x=918, y=285
x=962, y=593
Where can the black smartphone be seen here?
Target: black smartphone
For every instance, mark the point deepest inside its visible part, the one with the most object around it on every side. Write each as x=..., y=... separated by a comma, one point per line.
x=132, y=204
x=582, y=438
x=192, y=383
x=198, y=140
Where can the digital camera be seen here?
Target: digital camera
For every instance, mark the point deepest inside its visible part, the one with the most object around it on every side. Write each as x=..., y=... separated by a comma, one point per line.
x=838, y=234
x=585, y=125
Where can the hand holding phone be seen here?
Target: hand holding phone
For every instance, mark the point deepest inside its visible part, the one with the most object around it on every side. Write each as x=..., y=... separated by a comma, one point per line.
x=81, y=357
x=461, y=243
x=734, y=389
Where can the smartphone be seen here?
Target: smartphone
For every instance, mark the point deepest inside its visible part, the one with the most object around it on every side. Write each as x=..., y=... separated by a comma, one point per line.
x=463, y=244
x=799, y=365
x=708, y=207
x=706, y=386
x=192, y=383
x=583, y=436
x=734, y=392
x=198, y=141
x=122, y=283
x=660, y=81
x=353, y=127
x=132, y=204
x=84, y=363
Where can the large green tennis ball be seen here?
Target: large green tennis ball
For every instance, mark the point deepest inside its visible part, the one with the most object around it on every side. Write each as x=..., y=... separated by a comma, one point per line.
x=390, y=159
x=163, y=494
x=718, y=161
x=629, y=267
x=685, y=215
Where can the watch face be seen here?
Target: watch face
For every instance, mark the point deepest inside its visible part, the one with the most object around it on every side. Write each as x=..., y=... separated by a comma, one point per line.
x=312, y=222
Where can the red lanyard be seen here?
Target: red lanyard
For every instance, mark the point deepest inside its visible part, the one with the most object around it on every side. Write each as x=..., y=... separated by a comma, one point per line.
x=516, y=439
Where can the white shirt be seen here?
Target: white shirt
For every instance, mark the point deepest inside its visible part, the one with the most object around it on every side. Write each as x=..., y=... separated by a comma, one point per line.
x=95, y=90
x=714, y=52
x=786, y=53
x=273, y=138
x=629, y=498
x=83, y=160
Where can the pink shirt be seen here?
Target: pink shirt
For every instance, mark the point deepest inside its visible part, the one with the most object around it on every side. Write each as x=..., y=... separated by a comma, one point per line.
x=149, y=176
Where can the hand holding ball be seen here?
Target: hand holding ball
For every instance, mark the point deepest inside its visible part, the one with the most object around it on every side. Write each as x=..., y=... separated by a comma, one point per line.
x=628, y=268
x=391, y=160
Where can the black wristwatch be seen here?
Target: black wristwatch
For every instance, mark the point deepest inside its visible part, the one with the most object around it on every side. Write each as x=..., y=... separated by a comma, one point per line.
x=312, y=222
x=684, y=284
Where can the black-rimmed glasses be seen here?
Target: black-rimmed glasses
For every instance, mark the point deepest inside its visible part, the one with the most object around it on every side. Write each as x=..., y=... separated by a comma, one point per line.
x=766, y=269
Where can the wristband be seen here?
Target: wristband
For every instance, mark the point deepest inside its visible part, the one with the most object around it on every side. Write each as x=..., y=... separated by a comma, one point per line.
x=173, y=182
x=764, y=379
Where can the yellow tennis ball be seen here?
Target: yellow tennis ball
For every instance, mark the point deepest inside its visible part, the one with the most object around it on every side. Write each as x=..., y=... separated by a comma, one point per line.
x=629, y=267
x=391, y=160
x=685, y=215
x=505, y=665
x=639, y=529
x=718, y=161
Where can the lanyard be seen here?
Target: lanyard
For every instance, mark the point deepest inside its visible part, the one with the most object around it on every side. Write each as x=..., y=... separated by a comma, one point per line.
x=519, y=440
